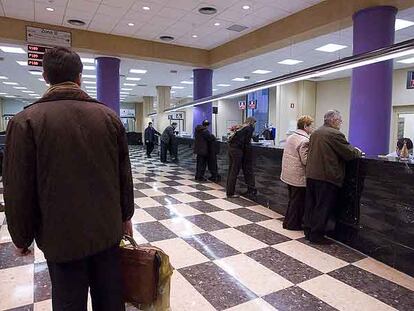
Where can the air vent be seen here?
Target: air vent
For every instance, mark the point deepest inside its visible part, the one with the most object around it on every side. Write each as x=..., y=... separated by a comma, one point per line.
x=122, y=76
x=1, y=59
x=167, y=38
x=246, y=77
x=237, y=28
x=76, y=22
x=142, y=85
x=173, y=71
x=207, y=10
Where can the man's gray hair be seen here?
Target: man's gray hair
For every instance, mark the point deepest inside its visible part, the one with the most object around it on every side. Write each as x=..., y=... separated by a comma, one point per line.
x=330, y=116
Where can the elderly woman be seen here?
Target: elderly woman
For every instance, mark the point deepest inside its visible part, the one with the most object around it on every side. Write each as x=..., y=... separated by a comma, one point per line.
x=293, y=172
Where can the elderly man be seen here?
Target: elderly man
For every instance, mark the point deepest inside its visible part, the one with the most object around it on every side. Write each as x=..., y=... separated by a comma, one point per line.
x=325, y=173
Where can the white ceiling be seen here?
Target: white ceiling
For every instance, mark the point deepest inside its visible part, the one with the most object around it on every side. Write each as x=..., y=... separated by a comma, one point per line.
x=159, y=73
x=177, y=18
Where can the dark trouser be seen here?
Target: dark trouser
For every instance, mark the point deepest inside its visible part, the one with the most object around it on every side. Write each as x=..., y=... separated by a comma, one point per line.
x=296, y=208
x=247, y=167
x=201, y=166
x=163, y=153
x=212, y=166
x=100, y=272
x=321, y=199
x=174, y=151
x=150, y=148
x=237, y=161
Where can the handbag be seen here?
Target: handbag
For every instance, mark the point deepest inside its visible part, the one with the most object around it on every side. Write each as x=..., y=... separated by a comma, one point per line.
x=140, y=272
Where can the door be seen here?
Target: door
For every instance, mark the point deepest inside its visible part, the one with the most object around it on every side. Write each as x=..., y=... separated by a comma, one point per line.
x=402, y=124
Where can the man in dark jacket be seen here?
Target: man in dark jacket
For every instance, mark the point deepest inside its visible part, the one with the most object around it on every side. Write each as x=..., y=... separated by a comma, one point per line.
x=241, y=157
x=68, y=185
x=150, y=138
x=325, y=172
x=202, y=141
x=169, y=142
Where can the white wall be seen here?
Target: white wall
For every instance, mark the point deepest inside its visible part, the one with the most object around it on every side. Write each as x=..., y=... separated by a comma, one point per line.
x=11, y=106
x=228, y=114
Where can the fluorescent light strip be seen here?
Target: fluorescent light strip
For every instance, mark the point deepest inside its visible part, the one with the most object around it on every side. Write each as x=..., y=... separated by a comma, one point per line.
x=89, y=82
x=239, y=79
x=140, y=71
x=406, y=61
x=22, y=62
x=177, y=87
x=87, y=67
x=20, y=87
x=87, y=60
x=132, y=79
x=11, y=83
x=187, y=82
x=35, y=73
x=130, y=84
x=261, y=71
x=322, y=72
x=89, y=76
x=3, y=78
x=402, y=23
x=10, y=49
x=331, y=47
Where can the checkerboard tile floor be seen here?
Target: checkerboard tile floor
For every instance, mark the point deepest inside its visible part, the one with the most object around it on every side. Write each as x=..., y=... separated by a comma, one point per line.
x=228, y=254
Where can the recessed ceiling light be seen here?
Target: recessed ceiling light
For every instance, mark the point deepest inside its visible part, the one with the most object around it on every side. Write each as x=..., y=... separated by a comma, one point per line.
x=90, y=87
x=130, y=84
x=207, y=10
x=194, y=36
x=89, y=82
x=290, y=62
x=402, y=23
x=50, y=9
x=10, y=49
x=34, y=95
x=76, y=22
x=406, y=61
x=174, y=87
x=186, y=82
x=11, y=83
x=215, y=90
x=35, y=72
x=41, y=79
x=131, y=24
x=124, y=93
x=331, y=47
x=125, y=89
x=87, y=60
x=3, y=78
x=87, y=67
x=27, y=91
x=239, y=79
x=217, y=24
x=261, y=71
x=167, y=38
x=10, y=96
x=3, y=93
x=89, y=76
x=246, y=7
x=146, y=8
x=190, y=96
x=141, y=71
x=20, y=87
x=132, y=79
x=223, y=84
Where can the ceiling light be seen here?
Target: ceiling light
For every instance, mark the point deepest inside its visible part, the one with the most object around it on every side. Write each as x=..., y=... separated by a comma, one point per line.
x=35, y=72
x=3, y=78
x=130, y=84
x=173, y=92
x=190, y=96
x=76, y=22
x=402, y=23
x=11, y=83
x=245, y=7
x=215, y=90
x=21, y=62
x=132, y=79
x=406, y=61
x=10, y=96
x=261, y=72
x=331, y=47
x=194, y=36
x=141, y=71
x=207, y=10
x=87, y=60
x=41, y=79
x=239, y=79
x=50, y=9
x=186, y=82
x=3, y=93
x=87, y=67
x=131, y=24
x=89, y=76
x=20, y=87
x=290, y=62
x=260, y=81
x=224, y=85
x=125, y=89
x=27, y=91
x=10, y=49
x=90, y=87
x=174, y=87
x=124, y=93
x=146, y=8
x=216, y=24
x=167, y=38
x=34, y=95
x=89, y=82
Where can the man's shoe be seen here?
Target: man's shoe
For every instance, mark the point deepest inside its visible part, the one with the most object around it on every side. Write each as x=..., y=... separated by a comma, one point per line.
x=233, y=196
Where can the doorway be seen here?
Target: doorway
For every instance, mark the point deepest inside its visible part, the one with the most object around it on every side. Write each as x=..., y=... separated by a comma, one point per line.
x=402, y=125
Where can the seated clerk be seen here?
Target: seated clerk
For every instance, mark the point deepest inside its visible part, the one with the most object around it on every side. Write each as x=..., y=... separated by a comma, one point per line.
x=400, y=145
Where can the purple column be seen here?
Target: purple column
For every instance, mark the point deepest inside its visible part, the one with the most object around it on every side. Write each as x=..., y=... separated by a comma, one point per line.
x=107, y=82
x=371, y=95
x=202, y=87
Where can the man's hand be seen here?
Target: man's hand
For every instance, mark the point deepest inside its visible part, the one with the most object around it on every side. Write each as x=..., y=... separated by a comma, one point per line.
x=127, y=227
x=23, y=251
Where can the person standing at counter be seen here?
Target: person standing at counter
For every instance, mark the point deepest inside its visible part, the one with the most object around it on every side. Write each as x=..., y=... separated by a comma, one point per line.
x=169, y=142
x=202, y=140
x=325, y=172
x=149, y=137
x=400, y=145
x=241, y=157
x=294, y=160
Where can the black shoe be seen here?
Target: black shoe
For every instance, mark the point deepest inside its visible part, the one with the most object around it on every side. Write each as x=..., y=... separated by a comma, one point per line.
x=200, y=179
x=233, y=196
x=320, y=241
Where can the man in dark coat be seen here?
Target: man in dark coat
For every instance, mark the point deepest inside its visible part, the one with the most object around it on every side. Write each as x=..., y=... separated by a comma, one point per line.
x=150, y=139
x=169, y=142
x=241, y=157
x=202, y=145
x=325, y=172
x=68, y=185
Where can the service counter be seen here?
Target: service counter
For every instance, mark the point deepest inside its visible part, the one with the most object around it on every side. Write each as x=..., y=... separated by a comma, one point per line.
x=375, y=210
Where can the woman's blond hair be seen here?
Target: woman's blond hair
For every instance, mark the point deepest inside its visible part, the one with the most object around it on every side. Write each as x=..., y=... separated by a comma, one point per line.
x=304, y=121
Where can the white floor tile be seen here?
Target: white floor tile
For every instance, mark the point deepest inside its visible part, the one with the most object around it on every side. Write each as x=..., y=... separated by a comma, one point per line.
x=16, y=287
x=185, y=198
x=265, y=211
x=156, y=185
x=238, y=240
x=181, y=227
x=146, y=202
x=152, y=192
x=4, y=234
x=185, y=189
x=223, y=204
x=277, y=226
x=183, y=210
x=187, y=182
x=216, y=193
x=229, y=219
x=253, y=305
x=45, y=305
x=141, y=216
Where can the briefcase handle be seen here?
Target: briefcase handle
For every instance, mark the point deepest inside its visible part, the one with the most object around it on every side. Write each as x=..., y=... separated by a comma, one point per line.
x=131, y=240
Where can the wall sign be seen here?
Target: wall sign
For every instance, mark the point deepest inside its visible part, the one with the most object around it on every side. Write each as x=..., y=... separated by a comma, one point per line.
x=48, y=37
x=410, y=80
x=242, y=105
x=176, y=116
x=127, y=113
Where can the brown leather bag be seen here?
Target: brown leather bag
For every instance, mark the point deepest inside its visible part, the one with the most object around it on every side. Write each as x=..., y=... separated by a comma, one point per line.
x=140, y=272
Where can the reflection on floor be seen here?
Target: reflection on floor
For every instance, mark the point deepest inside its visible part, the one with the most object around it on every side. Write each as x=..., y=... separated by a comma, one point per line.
x=229, y=254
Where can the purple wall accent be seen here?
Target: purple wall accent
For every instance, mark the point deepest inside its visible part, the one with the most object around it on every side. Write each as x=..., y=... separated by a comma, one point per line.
x=202, y=87
x=107, y=82
x=371, y=94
